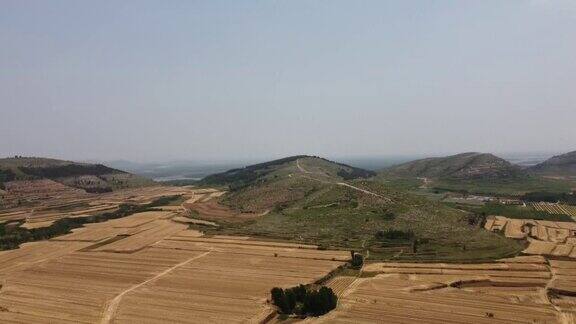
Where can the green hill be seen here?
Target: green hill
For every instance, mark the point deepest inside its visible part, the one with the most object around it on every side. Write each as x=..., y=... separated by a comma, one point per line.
x=90, y=177
x=311, y=200
x=478, y=173
x=463, y=166
x=259, y=172
x=560, y=165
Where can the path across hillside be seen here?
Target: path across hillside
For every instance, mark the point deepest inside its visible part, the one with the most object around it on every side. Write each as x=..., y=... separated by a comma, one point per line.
x=344, y=184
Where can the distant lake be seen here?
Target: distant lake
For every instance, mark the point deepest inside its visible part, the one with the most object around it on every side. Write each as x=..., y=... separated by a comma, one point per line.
x=175, y=177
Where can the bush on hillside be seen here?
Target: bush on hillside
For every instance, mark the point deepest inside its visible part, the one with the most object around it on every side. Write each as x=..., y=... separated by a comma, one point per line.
x=5, y=176
x=394, y=235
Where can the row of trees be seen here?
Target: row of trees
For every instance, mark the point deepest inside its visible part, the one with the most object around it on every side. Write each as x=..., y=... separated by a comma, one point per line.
x=568, y=198
x=302, y=301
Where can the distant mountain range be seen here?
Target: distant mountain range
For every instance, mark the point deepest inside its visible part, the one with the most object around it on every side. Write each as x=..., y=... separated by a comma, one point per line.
x=486, y=166
x=560, y=165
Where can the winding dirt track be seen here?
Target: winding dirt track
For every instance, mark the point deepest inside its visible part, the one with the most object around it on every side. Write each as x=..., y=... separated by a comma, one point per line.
x=301, y=169
x=112, y=305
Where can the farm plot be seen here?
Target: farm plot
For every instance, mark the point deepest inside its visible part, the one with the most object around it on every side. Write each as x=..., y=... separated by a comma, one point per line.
x=340, y=284
x=544, y=237
x=154, y=232
x=147, y=268
x=505, y=292
x=220, y=287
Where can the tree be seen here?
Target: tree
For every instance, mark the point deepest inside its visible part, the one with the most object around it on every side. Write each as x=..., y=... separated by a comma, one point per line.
x=279, y=299
x=303, y=301
x=357, y=260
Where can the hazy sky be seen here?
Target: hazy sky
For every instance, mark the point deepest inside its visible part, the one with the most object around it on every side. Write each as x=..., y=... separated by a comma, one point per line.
x=162, y=80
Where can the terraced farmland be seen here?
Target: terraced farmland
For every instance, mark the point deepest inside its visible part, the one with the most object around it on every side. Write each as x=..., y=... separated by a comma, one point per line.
x=47, y=206
x=544, y=237
x=147, y=268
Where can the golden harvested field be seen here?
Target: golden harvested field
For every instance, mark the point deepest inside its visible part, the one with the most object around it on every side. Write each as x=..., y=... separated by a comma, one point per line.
x=150, y=268
x=147, y=268
x=539, y=287
x=544, y=237
x=509, y=291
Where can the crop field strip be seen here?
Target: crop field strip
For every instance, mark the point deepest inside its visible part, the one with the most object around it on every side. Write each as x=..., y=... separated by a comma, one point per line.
x=340, y=284
x=553, y=208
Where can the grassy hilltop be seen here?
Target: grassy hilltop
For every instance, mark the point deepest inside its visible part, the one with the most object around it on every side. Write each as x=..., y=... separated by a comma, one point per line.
x=314, y=200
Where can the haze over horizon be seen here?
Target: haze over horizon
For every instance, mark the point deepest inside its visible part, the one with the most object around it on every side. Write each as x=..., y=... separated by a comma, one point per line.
x=249, y=80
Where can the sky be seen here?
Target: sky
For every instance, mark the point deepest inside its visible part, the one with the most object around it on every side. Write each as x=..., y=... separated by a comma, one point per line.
x=215, y=80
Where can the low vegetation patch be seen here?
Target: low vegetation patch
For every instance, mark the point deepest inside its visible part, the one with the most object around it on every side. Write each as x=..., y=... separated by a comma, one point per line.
x=304, y=301
x=394, y=235
x=69, y=170
x=5, y=176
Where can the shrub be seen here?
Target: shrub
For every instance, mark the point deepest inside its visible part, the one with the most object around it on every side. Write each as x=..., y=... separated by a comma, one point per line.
x=357, y=260
x=394, y=235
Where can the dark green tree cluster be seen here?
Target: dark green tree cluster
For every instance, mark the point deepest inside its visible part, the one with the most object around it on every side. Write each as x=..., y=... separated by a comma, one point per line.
x=98, y=189
x=304, y=302
x=355, y=173
x=567, y=198
x=5, y=176
x=69, y=170
x=394, y=235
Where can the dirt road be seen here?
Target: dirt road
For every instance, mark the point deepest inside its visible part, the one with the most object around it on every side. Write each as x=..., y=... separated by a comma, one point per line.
x=112, y=305
x=301, y=169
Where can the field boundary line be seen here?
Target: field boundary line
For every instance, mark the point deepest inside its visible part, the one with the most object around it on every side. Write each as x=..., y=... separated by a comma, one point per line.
x=112, y=306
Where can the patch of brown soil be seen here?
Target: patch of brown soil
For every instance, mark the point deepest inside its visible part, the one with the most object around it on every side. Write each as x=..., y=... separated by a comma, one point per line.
x=214, y=211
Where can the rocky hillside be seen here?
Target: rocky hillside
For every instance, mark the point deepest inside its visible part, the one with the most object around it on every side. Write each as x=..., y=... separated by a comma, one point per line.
x=90, y=177
x=465, y=166
x=560, y=165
